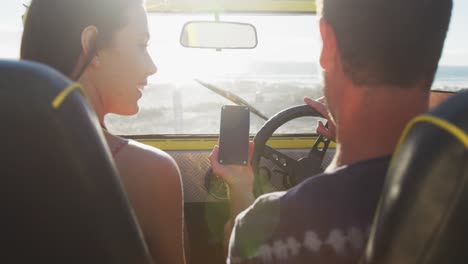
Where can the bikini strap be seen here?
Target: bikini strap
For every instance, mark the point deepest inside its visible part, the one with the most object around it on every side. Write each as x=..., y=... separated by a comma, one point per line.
x=118, y=148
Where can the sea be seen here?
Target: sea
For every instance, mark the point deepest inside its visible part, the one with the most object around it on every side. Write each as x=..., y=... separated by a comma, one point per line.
x=171, y=107
x=451, y=78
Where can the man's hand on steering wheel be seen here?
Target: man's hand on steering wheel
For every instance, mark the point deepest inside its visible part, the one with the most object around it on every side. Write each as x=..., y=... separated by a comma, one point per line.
x=320, y=105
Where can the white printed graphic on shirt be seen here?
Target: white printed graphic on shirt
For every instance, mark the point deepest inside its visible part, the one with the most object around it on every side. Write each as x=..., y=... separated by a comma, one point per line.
x=340, y=241
x=294, y=246
x=312, y=241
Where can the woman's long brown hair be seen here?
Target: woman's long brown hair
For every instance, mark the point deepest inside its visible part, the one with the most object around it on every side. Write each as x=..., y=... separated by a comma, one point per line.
x=52, y=30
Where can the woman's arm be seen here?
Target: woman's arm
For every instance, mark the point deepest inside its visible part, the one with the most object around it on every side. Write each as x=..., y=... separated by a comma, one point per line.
x=154, y=187
x=239, y=180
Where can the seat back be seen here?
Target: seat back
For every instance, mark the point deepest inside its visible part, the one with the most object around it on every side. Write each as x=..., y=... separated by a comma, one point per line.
x=423, y=213
x=61, y=197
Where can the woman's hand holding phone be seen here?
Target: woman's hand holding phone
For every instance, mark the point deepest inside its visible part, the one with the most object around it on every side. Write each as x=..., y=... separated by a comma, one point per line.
x=240, y=181
x=239, y=178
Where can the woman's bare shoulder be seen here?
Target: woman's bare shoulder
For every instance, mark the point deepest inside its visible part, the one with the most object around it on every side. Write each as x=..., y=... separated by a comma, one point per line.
x=148, y=153
x=141, y=159
x=153, y=184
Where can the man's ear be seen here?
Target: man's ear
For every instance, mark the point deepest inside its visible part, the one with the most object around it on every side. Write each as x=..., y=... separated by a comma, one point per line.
x=329, y=47
x=88, y=43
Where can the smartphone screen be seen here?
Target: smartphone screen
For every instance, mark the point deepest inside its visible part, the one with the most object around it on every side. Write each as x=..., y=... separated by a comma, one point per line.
x=234, y=135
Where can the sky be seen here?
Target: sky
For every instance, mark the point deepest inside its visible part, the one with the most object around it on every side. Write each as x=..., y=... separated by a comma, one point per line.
x=455, y=51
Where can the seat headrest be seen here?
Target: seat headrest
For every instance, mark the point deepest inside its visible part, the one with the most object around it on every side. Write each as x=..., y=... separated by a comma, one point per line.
x=61, y=197
x=424, y=208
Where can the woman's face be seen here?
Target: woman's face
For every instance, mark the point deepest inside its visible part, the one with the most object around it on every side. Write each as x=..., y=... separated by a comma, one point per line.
x=124, y=66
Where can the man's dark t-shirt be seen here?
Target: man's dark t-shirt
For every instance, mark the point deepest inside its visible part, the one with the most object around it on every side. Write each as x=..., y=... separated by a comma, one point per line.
x=325, y=219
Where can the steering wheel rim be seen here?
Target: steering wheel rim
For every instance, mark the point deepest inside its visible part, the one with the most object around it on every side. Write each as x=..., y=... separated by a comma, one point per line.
x=267, y=130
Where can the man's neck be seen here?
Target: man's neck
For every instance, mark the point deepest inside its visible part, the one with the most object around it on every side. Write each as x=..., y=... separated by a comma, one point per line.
x=370, y=126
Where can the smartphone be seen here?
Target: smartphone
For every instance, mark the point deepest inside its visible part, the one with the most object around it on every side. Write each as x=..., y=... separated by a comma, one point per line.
x=234, y=135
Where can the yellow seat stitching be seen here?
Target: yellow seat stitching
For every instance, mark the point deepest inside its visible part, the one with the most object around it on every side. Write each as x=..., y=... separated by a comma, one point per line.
x=60, y=98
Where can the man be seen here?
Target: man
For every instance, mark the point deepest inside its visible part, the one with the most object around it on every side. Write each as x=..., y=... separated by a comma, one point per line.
x=379, y=59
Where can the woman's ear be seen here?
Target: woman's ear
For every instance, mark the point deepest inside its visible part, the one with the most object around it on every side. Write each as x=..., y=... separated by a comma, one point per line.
x=88, y=43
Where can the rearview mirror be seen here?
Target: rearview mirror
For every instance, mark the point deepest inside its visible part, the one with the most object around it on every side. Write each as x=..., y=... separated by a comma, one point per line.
x=218, y=35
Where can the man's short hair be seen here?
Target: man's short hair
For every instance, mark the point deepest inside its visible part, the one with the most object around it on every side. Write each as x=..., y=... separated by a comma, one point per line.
x=389, y=42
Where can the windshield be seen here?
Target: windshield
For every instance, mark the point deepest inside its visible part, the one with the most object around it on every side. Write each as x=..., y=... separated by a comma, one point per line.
x=277, y=74
x=272, y=77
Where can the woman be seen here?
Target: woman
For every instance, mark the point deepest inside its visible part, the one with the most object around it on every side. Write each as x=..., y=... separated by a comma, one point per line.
x=103, y=45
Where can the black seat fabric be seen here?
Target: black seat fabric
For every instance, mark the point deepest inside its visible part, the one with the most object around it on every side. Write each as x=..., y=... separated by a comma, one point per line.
x=423, y=215
x=61, y=198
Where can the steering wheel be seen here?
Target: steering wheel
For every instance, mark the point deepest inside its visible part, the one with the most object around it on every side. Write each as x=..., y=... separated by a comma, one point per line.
x=293, y=171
